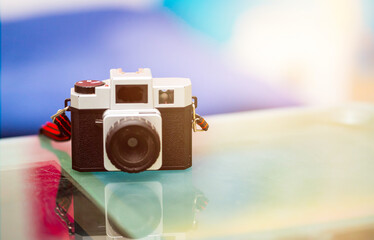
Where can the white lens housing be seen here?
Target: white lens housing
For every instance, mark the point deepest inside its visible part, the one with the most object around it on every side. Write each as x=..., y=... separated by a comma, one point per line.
x=110, y=117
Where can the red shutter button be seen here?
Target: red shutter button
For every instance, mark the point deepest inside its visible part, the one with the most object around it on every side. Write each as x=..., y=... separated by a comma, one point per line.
x=87, y=86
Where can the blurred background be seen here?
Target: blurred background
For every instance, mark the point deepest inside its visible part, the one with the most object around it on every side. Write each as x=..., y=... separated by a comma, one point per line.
x=240, y=54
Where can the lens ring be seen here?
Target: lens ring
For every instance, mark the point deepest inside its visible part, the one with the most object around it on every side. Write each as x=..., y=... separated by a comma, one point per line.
x=137, y=158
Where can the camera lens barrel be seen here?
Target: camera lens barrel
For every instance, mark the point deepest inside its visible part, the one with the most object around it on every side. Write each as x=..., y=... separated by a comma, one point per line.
x=132, y=144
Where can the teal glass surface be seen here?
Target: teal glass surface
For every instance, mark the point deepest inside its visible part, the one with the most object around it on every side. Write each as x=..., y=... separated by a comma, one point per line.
x=284, y=174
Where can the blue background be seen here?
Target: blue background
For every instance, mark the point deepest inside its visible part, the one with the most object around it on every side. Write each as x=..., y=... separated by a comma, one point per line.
x=42, y=57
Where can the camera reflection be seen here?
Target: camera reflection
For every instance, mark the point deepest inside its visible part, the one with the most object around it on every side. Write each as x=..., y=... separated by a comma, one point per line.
x=132, y=210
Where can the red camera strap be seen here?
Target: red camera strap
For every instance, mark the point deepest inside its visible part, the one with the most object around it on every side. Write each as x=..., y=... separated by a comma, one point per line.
x=59, y=130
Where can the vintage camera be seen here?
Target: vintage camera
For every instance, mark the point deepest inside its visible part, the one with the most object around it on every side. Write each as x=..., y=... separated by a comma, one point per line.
x=132, y=122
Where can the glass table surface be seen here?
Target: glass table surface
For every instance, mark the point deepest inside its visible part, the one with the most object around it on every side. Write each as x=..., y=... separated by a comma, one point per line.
x=298, y=173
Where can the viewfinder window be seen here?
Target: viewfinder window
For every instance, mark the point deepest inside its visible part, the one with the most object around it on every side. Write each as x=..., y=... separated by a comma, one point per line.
x=166, y=96
x=131, y=93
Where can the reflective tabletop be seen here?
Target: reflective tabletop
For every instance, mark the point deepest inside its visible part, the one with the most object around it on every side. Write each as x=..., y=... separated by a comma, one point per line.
x=299, y=173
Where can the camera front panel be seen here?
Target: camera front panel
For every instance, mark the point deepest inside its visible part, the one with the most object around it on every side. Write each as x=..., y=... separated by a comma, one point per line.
x=176, y=138
x=87, y=140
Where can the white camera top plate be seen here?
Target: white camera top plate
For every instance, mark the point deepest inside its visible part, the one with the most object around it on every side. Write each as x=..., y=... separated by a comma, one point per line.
x=104, y=96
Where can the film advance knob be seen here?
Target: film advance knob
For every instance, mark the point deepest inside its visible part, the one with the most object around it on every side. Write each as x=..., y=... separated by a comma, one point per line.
x=87, y=86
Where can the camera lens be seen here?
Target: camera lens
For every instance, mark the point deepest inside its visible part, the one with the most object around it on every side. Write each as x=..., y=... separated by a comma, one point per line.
x=132, y=142
x=134, y=211
x=132, y=145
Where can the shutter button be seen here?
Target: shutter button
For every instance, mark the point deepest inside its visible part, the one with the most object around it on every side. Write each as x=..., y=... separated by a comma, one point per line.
x=87, y=86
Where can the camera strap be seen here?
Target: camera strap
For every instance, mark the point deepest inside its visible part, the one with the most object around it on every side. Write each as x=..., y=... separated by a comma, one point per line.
x=197, y=119
x=60, y=129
